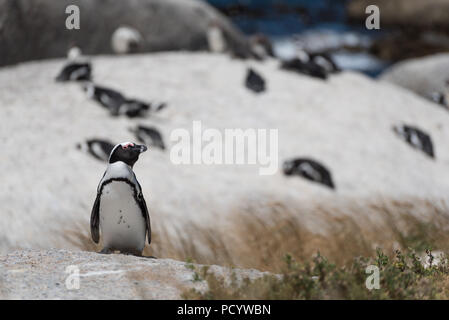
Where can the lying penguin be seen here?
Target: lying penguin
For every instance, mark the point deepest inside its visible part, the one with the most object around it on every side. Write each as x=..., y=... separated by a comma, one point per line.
x=315, y=65
x=309, y=169
x=78, y=68
x=415, y=137
x=148, y=135
x=120, y=210
x=75, y=71
x=439, y=98
x=254, y=81
x=118, y=104
x=99, y=149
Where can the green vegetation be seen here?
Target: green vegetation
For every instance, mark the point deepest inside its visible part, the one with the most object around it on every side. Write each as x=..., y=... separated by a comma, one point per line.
x=403, y=276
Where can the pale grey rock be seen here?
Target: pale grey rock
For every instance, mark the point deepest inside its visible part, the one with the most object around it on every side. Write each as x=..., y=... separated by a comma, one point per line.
x=32, y=274
x=410, y=13
x=31, y=30
x=421, y=75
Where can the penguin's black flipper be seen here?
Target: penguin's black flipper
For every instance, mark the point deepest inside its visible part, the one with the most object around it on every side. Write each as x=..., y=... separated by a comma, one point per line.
x=146, y=215
x=95, y=220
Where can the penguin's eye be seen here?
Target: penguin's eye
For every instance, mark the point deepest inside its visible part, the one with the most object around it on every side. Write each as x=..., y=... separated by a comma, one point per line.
x=125, y=147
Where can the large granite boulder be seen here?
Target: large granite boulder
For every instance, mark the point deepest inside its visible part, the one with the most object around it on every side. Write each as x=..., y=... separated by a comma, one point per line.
x=409, y=13
x=36, y=29
x=62, y=274
x=423, y=75
x=49, y=186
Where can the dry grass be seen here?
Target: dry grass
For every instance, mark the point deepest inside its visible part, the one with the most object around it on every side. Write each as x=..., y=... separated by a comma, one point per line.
x=346, y=231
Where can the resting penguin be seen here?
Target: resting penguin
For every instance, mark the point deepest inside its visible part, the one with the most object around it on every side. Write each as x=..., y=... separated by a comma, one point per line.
x=439, y=98
x=100, y=149
x=134, y=108
x=416, y=138
x=75, y=71
x=303, y=64
x=309, y=169
x=254, y=81
x=126, y=39
x=118, y=104
x=120, y=211
x=78, y=68
x=148, y=135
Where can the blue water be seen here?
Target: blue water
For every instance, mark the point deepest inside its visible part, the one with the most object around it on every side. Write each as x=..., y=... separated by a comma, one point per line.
x=297, y=15
x=282, y=19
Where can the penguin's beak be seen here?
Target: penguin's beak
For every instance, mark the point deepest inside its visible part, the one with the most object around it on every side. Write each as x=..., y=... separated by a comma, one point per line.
x=141, y=148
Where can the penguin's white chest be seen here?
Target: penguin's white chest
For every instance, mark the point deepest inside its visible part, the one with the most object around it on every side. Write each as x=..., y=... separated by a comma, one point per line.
x=121, y=221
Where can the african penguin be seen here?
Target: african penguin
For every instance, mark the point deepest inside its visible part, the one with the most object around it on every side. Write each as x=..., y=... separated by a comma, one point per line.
x=108, y=98
x=261, y=46
x=439, y=98
x=75, y=71
x=325, y=61
x=100, y=149
x=254, y=81
x=309, y=169
x=74, y=53
x=305, y=66
x=415, y=137
x=148, y=135
x=119, y=210
x=134, y=108
x=126, y=40
x=118, y=104
x=215, y=38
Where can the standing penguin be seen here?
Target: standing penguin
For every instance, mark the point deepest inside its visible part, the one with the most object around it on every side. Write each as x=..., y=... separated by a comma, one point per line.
x=120, y=210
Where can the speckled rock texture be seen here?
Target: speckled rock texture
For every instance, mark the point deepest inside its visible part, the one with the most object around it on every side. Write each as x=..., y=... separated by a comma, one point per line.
x=51, y=274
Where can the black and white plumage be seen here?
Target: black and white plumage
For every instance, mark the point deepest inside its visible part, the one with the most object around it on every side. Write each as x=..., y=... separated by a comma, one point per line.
x=100, y=149
x=75, y=71
x=261, y=46
x=149, y=136
x=126, y=39
x=120, y=211
x=108, y=98
x=254, y=81
x=325, y=61
x=134, y=108
x=309, y=68
x=439, y=98
x=309, y=169
x=118, y=104
x=316, y=65
x=415, y=137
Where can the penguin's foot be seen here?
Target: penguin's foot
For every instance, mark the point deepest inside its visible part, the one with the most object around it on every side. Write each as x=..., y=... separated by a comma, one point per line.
x=132, y=253
x=105, y=251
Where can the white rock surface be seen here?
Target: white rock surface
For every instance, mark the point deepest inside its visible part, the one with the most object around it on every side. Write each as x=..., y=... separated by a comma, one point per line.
x=48, y=186
x=55, y=274
x=421, y=75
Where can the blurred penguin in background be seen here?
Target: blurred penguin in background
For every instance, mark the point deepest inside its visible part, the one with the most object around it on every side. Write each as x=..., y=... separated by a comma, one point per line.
x=216, y=39
x=261, y=46
x=126, y=40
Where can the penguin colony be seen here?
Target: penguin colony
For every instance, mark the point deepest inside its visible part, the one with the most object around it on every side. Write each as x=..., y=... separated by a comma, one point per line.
x=127, y=223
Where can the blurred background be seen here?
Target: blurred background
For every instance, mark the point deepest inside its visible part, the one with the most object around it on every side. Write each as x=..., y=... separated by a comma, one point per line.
x=362, y=117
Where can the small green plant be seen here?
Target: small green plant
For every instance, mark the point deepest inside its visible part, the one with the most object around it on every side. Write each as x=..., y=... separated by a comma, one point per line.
x=404, y=276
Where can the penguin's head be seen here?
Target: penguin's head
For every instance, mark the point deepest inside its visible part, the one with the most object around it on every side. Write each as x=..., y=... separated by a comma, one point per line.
x=126, y=152
x=288, y=167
